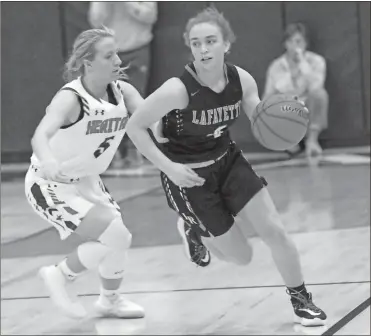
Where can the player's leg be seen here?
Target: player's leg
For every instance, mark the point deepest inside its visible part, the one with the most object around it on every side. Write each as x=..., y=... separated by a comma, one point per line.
x=203, y=213
x=64, y=206
x=111, y=268
x=194, y=248
x=231, y=246
x=61, y=206
x=251, y=200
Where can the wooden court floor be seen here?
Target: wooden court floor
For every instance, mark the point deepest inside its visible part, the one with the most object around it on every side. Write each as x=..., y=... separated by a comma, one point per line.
x=325, y=208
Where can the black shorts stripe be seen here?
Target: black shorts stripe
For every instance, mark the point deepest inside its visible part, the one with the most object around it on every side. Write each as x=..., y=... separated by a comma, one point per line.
x=51, y=213
x=39, y=197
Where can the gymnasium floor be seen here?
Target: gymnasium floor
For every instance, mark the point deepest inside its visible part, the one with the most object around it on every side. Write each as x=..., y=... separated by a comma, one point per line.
x=326, y=208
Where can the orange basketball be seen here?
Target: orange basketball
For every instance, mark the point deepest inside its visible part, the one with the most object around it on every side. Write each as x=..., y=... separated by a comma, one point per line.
x=280, y=122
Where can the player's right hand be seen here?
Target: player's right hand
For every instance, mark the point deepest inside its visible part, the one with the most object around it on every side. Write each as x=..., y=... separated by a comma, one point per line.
x=52, y=171
x=183, y=176
x=158, y=133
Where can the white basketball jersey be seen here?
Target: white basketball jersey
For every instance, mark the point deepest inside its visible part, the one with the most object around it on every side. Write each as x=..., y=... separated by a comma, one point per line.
x=87, y=147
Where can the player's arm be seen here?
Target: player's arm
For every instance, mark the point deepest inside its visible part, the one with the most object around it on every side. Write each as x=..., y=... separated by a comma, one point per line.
x=133, y=100
x=269, y=88
x=64, y=109
x=132, y=97
x=250, y=98
x=171, y=95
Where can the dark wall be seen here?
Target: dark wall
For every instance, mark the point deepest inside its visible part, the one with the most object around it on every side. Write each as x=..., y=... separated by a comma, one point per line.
x=75, y=20
x=169, y=54
x=335, y=35
x=36, y=43
x=364, y=27
x=31, y=62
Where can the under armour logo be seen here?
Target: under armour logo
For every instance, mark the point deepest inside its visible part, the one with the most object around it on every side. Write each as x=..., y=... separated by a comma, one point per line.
x=99, y=111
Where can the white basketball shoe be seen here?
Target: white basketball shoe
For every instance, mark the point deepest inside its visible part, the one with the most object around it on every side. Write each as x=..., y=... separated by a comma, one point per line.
x=117, y=306
x=55, y=282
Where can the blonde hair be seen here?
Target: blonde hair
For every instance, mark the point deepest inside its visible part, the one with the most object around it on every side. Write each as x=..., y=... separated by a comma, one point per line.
x=84, y=49
x=210, y=15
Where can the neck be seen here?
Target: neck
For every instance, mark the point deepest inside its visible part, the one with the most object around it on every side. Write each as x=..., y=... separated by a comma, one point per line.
x=210, y=77
x=94, y=86
x=292, y=58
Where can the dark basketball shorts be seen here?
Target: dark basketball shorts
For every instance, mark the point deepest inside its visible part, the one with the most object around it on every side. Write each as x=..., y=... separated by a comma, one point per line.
x=230, y=183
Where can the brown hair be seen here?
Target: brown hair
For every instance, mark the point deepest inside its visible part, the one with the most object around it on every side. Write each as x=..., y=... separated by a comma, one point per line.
x=210, y=15
x=294, y=28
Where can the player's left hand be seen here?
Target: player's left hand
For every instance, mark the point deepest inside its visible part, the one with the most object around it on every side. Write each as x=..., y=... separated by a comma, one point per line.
x=302, y=103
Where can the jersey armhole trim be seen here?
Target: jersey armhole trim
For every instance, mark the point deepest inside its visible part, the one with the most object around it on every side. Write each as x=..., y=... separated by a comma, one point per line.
x=82, y=107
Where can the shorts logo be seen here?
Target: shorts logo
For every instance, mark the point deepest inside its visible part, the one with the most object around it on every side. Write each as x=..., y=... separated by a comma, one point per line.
x=53, y=196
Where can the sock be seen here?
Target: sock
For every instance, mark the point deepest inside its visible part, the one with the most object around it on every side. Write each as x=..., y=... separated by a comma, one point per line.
x=293, y=290
x=110, y=294
x=70, y=275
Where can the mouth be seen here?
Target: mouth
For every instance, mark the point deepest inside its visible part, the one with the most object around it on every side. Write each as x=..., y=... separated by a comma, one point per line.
x=206, y=59
x=116, y=71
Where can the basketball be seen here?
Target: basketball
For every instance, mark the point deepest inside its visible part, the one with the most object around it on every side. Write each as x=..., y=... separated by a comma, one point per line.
x=280, y=122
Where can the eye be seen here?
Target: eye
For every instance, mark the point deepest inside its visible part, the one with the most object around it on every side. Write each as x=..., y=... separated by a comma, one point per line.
x=195, y=44
x=211, y=41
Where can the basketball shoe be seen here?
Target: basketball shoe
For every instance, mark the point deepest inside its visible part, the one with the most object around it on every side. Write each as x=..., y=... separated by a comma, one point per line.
x=194, y=249
x=306, y=312
x=55, y=282
x=116, y=305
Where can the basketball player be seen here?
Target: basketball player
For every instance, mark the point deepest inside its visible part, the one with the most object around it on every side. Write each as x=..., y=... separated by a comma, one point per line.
x=204, y=174
x=73, y=144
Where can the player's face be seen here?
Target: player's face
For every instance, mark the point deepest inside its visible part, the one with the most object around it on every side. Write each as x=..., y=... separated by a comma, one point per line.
x=295, y=42
x=106, y=63
x=207, y=45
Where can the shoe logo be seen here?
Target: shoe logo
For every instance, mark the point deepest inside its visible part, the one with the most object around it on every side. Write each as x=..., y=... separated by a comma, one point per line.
x=194, y=93
x=206, y=258
x=310, y=312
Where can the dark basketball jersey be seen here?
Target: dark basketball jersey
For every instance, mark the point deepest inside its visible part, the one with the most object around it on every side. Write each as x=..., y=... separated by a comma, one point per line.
x=200, y=132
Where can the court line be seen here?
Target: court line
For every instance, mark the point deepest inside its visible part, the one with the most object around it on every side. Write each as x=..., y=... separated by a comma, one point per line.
x=347, y=318
x=194, y=289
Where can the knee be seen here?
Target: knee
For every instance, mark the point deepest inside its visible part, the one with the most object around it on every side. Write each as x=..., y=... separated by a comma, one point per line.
x=243, y=259
x=277, y=235
x=116, y=236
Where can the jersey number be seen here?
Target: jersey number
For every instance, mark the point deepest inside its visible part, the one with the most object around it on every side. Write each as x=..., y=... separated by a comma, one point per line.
x=218, y=132
x=103, y=146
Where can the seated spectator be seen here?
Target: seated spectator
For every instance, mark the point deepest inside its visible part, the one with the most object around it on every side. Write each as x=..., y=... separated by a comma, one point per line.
x=302, y=73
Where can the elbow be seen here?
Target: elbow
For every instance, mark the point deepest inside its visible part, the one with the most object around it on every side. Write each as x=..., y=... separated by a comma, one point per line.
x=34, y=142
x=131, y=128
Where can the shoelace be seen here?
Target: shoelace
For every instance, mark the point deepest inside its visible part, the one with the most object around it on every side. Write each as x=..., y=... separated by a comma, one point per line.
x=199, y=254
x=116, y=299
x=304, y=301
